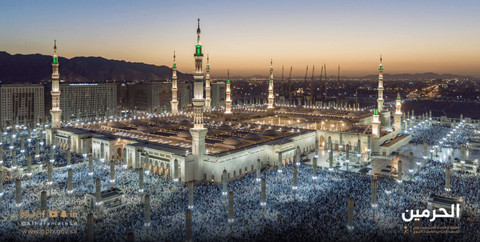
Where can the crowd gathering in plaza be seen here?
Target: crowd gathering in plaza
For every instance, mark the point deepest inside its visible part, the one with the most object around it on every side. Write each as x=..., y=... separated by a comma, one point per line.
x=317, y=210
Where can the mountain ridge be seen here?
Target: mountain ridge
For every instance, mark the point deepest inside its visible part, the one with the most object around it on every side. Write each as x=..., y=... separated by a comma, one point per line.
x=34, y=68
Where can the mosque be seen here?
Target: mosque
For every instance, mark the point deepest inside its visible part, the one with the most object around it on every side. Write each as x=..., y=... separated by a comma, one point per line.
x=204, y=144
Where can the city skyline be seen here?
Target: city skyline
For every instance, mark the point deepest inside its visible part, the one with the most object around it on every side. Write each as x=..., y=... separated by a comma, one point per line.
x=413, y=38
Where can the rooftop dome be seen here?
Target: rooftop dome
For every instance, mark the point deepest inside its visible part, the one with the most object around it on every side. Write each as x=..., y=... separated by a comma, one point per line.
x=252, y=136
x=225, y=127
x=146, y=129
x=234, y=141
x=135, y=122
x=282, y=110
x=184, y=134
x=211, y=131
x=165, y=125
x=116, y=124
x=185, y=122
x=155, y=119
x=270, y=132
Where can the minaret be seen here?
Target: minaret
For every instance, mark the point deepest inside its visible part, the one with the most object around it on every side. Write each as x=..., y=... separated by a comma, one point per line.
x=174, y=101
x=228, y=100
x=208, y=100
x=380, y=87
x=376, y=124
x=198, y=131
x=270, y=90
x=398, y=113
x=55, y=111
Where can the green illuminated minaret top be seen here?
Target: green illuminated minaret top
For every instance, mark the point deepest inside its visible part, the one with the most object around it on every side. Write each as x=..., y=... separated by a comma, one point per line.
x=174, y=63
x=380, y=67
x=228, y=76
x=271, y=70
x=375, y=112
x=198, y=47
x=398, y=96
x=208, y=61
x=55, y=57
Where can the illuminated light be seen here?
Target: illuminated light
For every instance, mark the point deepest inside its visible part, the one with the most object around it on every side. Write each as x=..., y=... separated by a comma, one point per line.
x=294, y=187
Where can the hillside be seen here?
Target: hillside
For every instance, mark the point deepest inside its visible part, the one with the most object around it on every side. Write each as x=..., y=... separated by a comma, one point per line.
x=36, y=67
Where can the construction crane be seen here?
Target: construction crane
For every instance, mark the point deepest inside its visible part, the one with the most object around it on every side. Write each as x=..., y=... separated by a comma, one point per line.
x=326, y=81
x=290, y=86
x=338, y=81
x=312, y=86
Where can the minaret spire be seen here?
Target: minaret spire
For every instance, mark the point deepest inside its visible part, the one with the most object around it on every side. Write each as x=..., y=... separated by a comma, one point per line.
x=228, y=100
x=198, y=131
x=174, y=101
x=198, y=32
x=398, y=114
x=380, y=87
x=56, y=112
x=208, y=100
x=270, y=90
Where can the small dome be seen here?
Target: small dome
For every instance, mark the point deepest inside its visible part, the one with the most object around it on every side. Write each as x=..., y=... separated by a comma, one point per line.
x=282, y=110
x=155, y=119
x=252, y=136
x=211, y=131
x=146, y=129
x=116, y=124
x=317, y=112
x=270, y=132
x=225, y=127
x=185, y=122
x=234, y=141
x=184, y=134
x=165, y=125
x=135, y=122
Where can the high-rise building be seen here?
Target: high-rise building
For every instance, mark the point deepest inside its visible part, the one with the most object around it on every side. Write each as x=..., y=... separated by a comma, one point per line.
x=218, y=90
x=88, y=100
x=21, y=104
x=154, y=97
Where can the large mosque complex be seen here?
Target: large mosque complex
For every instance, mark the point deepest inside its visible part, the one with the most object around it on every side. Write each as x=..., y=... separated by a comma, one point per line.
x=205, y=144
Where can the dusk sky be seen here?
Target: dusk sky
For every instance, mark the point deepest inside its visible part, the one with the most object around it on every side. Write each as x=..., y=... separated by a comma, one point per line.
x=413, y=36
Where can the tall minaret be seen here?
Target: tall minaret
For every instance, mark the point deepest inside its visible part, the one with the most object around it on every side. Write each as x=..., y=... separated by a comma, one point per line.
x=228, y=100
x=398, y=113
x=376, y=124
x=270, y=90
x=198, y=100
x=380, y=87
x=174, y=101
x=198, y=131
x=56, y=112
x=208, y=100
